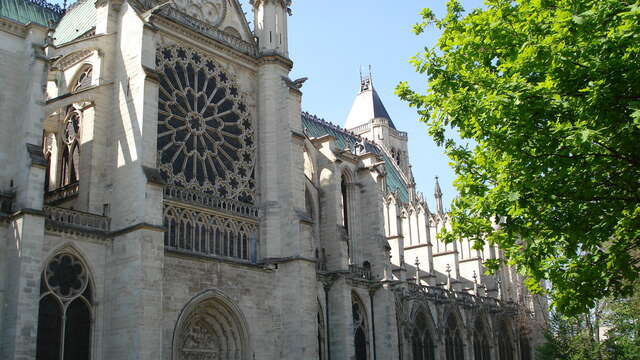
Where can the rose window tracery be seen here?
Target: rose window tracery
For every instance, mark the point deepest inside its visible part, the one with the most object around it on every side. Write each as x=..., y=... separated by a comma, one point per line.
x=206, y=138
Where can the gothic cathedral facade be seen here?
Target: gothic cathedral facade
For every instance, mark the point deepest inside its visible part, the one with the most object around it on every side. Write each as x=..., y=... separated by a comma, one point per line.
x=163, y=196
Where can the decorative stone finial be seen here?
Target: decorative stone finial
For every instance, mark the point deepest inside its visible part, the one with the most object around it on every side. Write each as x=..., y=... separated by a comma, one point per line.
x=438, y=195
x=417, y=263
x=448, y=277
x=475, y=283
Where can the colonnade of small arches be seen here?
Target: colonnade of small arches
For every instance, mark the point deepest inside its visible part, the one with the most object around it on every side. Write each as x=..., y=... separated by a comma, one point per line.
x=421, y=339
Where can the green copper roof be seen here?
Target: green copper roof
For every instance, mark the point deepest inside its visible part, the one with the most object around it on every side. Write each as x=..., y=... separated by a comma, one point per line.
x=316, y=127
x=30, y=11
x=79, y=20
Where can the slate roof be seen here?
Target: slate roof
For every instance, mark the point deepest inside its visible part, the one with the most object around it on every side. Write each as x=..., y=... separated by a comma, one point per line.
x=316, y=127
x=366, y=106
x=31, y=11
x=79, y=20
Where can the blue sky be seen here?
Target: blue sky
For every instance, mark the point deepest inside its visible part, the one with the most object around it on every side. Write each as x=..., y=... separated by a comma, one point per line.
x=330, y=40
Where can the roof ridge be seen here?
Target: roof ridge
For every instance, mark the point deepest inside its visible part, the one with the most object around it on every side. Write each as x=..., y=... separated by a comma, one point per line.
x=48, y=6
x=336, y=127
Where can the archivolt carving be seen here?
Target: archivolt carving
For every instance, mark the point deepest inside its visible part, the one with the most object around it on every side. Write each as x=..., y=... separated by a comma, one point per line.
x=211, y=331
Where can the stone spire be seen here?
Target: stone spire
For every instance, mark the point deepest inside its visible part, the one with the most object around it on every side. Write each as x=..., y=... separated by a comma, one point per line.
x=438, y=195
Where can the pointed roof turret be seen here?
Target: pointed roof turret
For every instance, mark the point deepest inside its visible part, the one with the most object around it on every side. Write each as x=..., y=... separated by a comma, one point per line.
x=367, y=105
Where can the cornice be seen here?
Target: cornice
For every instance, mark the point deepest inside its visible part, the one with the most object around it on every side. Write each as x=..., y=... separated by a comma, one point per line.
x=13, y=27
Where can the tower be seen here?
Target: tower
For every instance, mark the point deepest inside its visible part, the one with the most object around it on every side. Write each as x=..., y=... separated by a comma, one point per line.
x=270, y=19
x=369, y=118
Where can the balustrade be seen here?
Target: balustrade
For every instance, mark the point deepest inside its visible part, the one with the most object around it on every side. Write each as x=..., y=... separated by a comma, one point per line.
x=209, y=201
x=360, y=272
x=62, y=194
x=77, y=220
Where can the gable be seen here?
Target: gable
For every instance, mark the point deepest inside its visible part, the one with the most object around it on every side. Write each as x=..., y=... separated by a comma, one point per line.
x=225, y=15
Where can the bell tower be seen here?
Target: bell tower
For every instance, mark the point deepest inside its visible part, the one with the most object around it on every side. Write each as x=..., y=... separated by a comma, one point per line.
x=270, y=19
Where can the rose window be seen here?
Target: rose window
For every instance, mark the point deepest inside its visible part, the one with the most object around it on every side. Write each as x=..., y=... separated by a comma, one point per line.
x=206, y=138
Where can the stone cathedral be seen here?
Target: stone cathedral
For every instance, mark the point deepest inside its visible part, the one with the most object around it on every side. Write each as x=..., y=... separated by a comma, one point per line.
x=164, y=196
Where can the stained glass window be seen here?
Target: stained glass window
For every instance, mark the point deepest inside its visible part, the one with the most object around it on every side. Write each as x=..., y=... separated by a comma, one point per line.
x=64, y=316
x=422, y=343
x=206, y=138
x=454, y=347
x=360, y=330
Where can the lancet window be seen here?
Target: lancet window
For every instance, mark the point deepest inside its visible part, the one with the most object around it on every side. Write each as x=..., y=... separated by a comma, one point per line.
x=66, y=310
x=208, y=234
x=421, y=340
x=360, y=329
x=504, y=342
x=454, y=347
x=481, y=348
x=525, y=348
x=344, y=188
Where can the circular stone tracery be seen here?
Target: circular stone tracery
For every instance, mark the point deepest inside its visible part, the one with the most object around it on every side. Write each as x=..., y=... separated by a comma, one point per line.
x=205, y=133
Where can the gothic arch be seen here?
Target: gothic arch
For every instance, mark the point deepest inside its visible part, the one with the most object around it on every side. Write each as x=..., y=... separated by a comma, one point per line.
x=211, y=323
x=360, y=328
x=481, y=332
x=423, y=334
x=66, y=313
x=454, y=334
x=505, y=337
x=82, y=78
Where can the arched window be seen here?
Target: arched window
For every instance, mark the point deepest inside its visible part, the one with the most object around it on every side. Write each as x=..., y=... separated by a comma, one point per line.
x=421, y=341
x=525, y=348
x=84, y=79
x=66, y=308
x=70, y=166
x=505, y=344
x=481, y=348
x=345, y=203
x=454, y=346
x=211, y=329
x=360, y=329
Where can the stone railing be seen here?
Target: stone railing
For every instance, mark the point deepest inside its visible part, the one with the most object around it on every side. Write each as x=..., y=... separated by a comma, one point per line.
x=460, y=297
x=6, y=202
x=62, y=194
x=360, y=272
x=360, y=129
x=209, y=201
x=61, y=218
x=402, y=134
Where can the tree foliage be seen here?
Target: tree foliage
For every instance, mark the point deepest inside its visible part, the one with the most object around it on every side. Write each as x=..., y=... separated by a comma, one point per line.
x=547, y=92
x=609, y=331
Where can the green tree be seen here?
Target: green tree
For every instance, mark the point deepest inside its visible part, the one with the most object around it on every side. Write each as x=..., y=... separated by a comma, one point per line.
x=579, y=337
x=547, y=94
